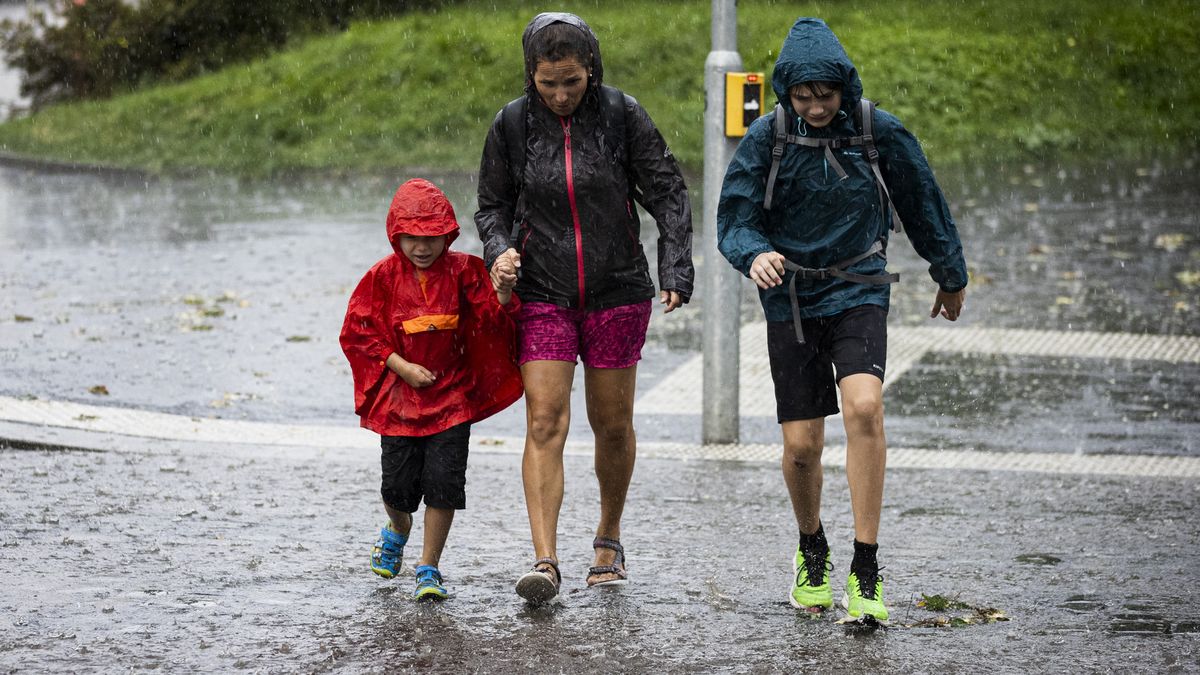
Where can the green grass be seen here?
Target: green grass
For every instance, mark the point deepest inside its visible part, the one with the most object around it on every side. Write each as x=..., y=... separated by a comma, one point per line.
x=976, y=81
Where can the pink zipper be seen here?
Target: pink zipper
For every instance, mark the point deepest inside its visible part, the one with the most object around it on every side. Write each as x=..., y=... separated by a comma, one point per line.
x=566, y=125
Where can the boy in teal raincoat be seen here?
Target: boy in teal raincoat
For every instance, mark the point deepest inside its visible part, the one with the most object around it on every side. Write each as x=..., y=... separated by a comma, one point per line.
x=816, y=250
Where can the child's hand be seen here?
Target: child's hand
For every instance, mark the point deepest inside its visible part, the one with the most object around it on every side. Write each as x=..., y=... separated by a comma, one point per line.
x=415, y=375
x=767, y=269
x=949, y=305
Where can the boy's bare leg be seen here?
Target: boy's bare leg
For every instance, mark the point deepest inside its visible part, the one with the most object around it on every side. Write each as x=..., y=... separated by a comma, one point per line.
x=437, y=528
x=401, y=521
x=609, y=394
x=803, y=441
x=547, y=419
x=866, y=451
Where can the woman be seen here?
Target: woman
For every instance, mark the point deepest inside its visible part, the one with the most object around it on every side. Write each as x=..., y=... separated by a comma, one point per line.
x=561, y=214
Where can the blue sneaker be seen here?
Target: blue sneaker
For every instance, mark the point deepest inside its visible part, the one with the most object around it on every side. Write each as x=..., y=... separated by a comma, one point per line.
x=388, y=553
x=429, y=584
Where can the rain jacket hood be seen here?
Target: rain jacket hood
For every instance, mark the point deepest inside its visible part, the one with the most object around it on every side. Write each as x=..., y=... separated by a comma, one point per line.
x=819, y=218
x=547, y=18
x=420, y=209
x=812, y=53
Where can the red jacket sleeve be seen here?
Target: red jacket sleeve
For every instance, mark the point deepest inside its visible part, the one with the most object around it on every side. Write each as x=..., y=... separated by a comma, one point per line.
x=491, y=343
x=365, y=336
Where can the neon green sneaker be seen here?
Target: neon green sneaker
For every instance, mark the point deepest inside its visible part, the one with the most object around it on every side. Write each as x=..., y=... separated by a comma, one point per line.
x=864, y=597
x=811, y=591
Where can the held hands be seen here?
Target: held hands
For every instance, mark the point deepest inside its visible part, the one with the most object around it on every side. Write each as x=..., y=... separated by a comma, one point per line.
x=504, y=274
x=504, y=270
x=948, y=304
x=767, y=269
x=415, y=375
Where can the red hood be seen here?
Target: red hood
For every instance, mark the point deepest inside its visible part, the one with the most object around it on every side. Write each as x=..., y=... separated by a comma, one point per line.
x=419, y=208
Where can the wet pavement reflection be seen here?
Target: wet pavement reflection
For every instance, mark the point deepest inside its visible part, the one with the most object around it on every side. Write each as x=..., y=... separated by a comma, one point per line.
x=199, y=295
x=178, y=560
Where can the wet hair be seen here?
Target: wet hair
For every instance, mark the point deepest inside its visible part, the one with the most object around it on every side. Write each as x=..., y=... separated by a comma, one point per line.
x=556, y=42
x=818, y=88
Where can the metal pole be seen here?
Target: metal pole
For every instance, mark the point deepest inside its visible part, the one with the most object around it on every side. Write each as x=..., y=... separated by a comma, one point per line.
x=721, y=295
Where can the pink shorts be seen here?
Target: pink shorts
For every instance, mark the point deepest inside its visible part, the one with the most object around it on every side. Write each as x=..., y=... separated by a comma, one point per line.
x=604, y=338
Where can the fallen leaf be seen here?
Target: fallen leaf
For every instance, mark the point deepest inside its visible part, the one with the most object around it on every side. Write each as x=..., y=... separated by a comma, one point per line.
x=21, y=318
x=1189, y=278
x=1064, y=300
x=87, y=418
x=299, y=338
x=1170, y=242
x=99, y=390
x=193, y=300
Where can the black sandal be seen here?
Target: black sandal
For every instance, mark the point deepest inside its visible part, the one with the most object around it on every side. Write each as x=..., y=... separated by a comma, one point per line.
x=617, y=567
x=537, y=585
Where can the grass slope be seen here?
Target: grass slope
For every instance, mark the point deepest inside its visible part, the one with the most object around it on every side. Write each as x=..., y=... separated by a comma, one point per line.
x=1019, y=79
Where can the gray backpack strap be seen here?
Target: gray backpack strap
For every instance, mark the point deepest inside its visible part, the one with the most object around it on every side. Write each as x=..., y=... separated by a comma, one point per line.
x=828, y=144
x=781, y=136
x=867, y=111
x=836, y=270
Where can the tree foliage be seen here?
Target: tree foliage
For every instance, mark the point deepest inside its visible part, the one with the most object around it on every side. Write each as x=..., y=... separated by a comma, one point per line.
x=88, y=49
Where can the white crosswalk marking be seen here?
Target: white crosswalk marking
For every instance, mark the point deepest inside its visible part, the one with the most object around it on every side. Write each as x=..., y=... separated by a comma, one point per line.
x=681, y=391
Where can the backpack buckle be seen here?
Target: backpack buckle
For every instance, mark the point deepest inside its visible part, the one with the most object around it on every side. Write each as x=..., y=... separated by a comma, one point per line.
x=812, y=274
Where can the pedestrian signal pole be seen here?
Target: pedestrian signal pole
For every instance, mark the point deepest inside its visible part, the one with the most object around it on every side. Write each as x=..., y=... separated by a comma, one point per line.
x=722, y=323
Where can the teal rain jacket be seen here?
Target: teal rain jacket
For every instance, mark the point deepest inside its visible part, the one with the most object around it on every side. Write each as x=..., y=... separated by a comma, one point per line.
x=816, y=219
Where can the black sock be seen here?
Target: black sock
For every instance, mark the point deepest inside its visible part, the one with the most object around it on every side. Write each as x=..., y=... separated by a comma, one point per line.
x=814, y=543
x=864, y=558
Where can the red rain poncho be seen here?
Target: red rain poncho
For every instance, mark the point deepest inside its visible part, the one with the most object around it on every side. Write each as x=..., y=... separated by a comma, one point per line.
x=445, y=318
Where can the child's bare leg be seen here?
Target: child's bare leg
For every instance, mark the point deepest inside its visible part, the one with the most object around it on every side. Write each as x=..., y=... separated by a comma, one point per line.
x=437, y=528
x=401, y=521
x=803, y=441
x=866, y=451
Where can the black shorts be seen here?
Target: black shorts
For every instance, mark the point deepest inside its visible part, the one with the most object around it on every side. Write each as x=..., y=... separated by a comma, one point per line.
x=433, y=467
x=854, y=341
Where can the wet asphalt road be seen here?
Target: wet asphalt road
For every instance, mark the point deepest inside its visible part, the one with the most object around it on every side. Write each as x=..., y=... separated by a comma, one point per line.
x=194, y=558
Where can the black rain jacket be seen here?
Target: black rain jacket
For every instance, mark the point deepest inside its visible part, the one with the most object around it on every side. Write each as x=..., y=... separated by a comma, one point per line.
x=579, y=233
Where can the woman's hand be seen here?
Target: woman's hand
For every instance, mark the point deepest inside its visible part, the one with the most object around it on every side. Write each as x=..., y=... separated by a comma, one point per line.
x=671, y=299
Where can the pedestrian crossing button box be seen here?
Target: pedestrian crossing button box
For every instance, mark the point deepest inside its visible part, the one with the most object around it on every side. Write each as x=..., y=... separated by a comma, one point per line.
x=743, y=101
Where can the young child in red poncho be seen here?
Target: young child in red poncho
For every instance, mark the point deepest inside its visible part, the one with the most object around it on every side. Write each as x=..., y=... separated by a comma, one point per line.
x=431, y=345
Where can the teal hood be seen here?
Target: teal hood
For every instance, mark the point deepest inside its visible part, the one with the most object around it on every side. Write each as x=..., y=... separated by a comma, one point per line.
x=812, y=53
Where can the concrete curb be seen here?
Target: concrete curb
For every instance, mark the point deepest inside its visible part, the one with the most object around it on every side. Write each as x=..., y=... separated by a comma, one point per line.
x=47, y=425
